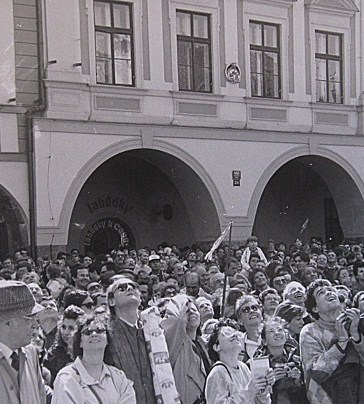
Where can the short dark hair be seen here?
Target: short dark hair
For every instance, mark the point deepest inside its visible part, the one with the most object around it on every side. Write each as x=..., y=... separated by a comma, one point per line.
x=288, y=311
x=83, y=322
x=304, y=257
x=356, y=266
x=53, y=271
x=311, y=301
x=357, y=298
x=214, y=337
x=73, y=312
x=266, y=292
x=75, y=269
x=75, y=297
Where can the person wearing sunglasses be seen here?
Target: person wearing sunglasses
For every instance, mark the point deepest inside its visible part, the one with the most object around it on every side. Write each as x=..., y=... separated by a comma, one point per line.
x=88, y=379
x=230, y=380
x=249, y=315
x=127, y=348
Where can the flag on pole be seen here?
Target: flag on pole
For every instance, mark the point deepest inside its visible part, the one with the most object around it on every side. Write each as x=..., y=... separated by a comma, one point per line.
x=208, y=256
x=304, y=226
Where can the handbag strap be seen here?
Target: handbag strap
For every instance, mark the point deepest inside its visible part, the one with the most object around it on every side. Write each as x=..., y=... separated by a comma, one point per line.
x=92, y=389
x=214, y=366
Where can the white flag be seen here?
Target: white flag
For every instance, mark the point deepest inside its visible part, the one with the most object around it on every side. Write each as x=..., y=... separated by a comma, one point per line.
x=304, y=226
x=208, y=256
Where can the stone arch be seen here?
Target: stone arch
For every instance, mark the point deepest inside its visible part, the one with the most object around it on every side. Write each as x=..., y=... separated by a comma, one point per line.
x=192, y=167
x=14, y=226
x=95, y=161
x=338, y=176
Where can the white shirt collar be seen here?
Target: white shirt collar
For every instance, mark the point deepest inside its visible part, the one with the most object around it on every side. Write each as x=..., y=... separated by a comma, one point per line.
x=6, y=351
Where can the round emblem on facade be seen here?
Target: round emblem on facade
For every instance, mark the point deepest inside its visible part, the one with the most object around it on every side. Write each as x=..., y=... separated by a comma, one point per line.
x=233, y=73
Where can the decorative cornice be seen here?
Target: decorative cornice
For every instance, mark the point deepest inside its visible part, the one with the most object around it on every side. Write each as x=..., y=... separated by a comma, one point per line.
x=345, y=6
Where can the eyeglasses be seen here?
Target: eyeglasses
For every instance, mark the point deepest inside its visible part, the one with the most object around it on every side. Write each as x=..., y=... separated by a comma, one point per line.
x=89, y=331
x=249, y=309
x=123, y=287
x=280, y=281
x=87, y=305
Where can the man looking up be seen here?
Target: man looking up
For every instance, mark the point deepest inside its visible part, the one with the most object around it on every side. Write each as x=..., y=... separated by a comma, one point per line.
x=20, y=376
x=127, y=346
x=332, y=349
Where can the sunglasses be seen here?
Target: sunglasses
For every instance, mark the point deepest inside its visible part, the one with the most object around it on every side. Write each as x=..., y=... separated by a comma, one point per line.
x=249, y=309
x=123, y=287
x=280, y=281
x=89, y=331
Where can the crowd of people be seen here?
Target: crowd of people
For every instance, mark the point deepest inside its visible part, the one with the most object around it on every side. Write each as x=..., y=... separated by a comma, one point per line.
x=277, y=324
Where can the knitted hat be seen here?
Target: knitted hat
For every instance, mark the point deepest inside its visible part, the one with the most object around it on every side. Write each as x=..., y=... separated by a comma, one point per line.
x=16, y=300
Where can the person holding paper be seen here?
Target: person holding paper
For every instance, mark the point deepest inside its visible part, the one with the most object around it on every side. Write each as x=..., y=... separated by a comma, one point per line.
x=230, y=380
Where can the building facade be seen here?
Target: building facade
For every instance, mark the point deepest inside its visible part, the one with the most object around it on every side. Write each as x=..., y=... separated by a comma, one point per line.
x=162, y=120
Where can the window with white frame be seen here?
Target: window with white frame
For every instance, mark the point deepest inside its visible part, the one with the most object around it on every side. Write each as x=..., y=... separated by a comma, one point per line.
x=114, y=43
x=194, y=51
x=329, y=67
x=265, y=55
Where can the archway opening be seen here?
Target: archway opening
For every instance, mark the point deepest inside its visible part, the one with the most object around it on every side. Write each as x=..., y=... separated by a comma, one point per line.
x=142, y=198
x=313, y=188
x=13, y=229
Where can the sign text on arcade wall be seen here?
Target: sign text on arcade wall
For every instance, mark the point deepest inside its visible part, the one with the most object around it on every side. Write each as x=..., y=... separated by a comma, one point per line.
x=104, y=224
x=116, y=202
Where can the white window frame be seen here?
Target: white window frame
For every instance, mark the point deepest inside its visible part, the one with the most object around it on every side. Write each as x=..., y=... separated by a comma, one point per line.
x=274, y=13
x=137, y=42
x=206, y=7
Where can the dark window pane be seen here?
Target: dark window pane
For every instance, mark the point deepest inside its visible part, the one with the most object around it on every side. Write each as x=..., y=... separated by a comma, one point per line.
x=270, y=63
x=334, y=92
x=264, y=60
x=257, y=85
x=123, y=72
x=193, y=51
x=104, y=71
x=103, y=45
x=256, y=34
x=256, y=61
x=321, y=91
x=185, y=77
x=121, y=16
x=202, y=57
x=334, y=45
x=320, y=42
x=102, y=14
x=183, y=24
x=334, y=70
x=270, y=36
x=200, y=26
x=320, y=69
x=184, y=50
x=113, y=40
x=201, y=67
x=122, y=46
x=328, y=67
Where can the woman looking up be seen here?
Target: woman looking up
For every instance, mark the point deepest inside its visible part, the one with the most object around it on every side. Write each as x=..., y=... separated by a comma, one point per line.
x=89, y=380
x=230, y=380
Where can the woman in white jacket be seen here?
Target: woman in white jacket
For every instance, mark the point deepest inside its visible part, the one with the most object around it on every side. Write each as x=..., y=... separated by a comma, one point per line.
x=230, y=380
x=89, y=380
